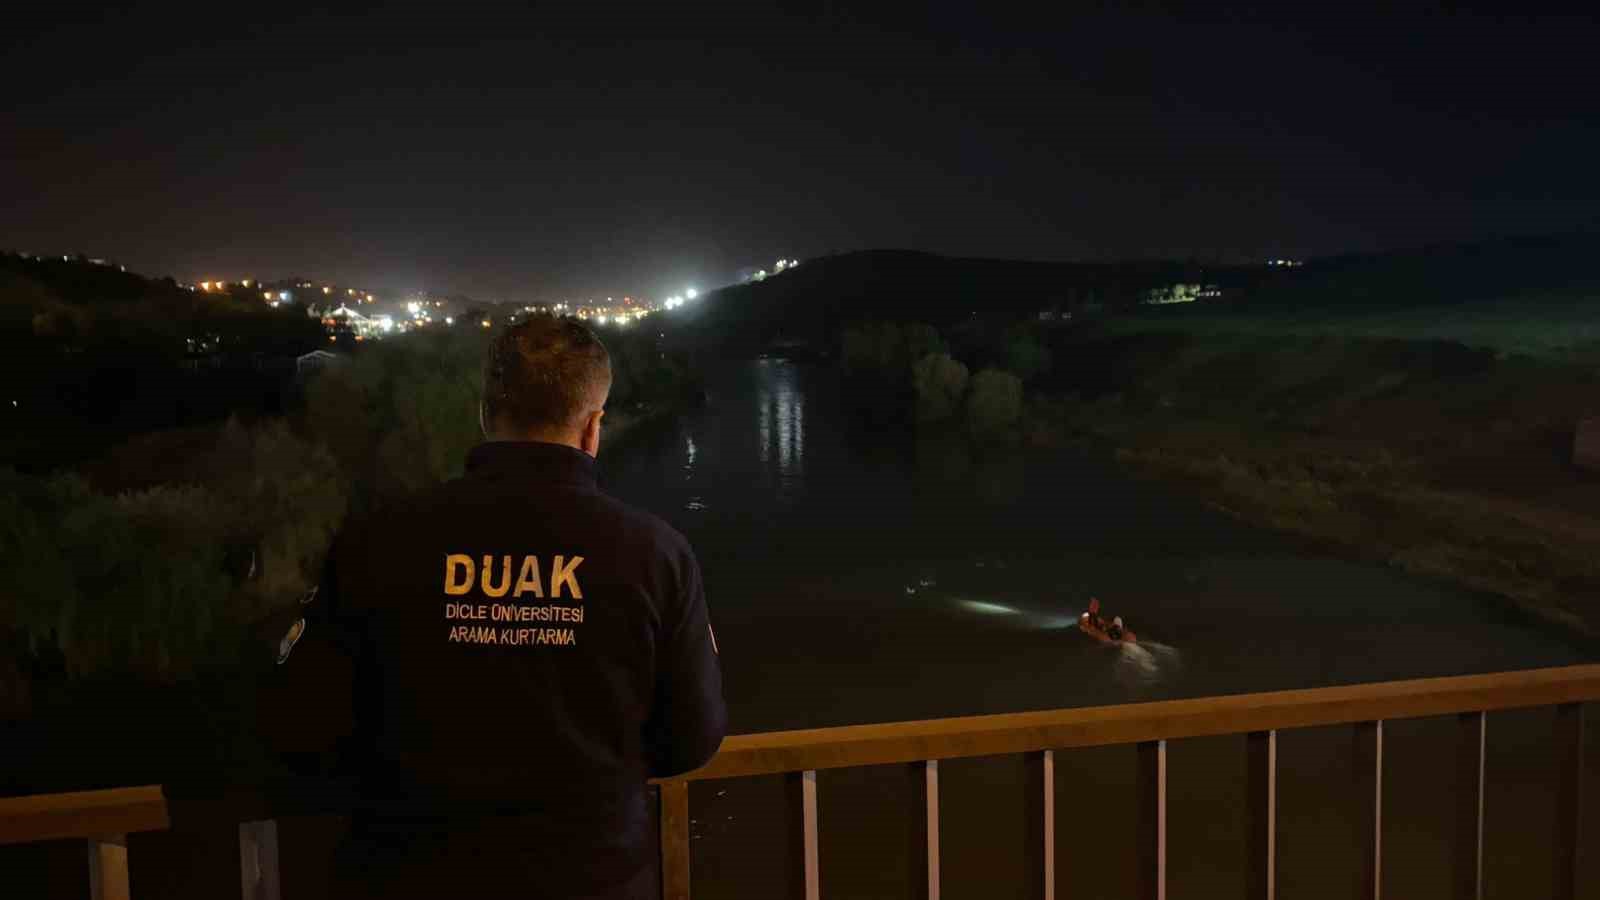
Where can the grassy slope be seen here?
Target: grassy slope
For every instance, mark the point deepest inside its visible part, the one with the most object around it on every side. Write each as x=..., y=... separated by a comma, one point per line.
x=1365, y=430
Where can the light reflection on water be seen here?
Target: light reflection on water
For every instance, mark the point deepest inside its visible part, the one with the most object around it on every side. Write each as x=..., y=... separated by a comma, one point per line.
x=782, y=424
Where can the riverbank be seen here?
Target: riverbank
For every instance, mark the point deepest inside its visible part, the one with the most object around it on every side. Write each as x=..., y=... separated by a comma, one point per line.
x=1436, y=458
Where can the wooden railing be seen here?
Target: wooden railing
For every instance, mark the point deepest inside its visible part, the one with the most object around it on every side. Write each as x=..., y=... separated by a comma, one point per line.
x=104, y=818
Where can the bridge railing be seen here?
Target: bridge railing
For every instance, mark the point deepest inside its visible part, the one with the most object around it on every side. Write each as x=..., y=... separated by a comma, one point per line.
x=104, y=818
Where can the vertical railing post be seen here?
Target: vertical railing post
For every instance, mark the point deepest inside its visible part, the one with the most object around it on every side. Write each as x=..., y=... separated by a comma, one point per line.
x=1039, y=829
x=930, y=815
x=673, y=825
x=801, y=788
x=808, y=788
x=108, y=867
x=1569, y=798
x=1369, y=809
x=923, y=836
x=1151, y=860
x=258, y=860
x=1468, y=868
x=1261, y=752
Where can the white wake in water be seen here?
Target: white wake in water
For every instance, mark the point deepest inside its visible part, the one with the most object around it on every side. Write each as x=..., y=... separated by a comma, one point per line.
x=1146, y=662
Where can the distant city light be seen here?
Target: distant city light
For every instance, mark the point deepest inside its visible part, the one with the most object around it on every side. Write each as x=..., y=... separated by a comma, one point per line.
x=350, y=291
x=331, y=338
x=205, y=285
x=413, y=307
x=449, y=320
x=266, y=295
x=326, y=289
x=601, y=320
x=486, y=323
x=369, y=298
x=283, y=295
x=691, y=293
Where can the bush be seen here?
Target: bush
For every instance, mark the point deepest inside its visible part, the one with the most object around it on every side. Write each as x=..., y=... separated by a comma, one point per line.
x=1025, y=354
x=403, y=414
x=940, y=382
x=994, y=404
x=140, y=581
x=133, y=582
x=288, y=497
x=887, y=349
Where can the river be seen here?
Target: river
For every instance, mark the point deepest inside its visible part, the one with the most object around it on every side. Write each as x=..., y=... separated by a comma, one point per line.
x=855, y=577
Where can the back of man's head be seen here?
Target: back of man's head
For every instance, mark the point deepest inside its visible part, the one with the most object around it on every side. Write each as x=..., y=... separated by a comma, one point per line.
x=546, y=379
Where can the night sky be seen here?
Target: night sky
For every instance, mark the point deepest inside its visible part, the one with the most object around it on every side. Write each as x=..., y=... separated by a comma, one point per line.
x=531, y=155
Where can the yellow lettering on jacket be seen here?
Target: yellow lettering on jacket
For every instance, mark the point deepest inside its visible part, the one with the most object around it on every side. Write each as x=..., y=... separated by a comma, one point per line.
x=564, y=574
x=458, y=564
x=505, y=576
x=528, y=580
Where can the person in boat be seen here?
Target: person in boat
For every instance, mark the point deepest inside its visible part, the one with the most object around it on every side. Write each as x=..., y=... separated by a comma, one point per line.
x=1094, y=614
x=1115, y=631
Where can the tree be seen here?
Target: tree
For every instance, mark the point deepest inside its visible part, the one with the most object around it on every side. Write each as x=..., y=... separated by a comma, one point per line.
x=140, y=581
x=1025, y=354
x=994, y=404
x=920, y=339
x=940, y=383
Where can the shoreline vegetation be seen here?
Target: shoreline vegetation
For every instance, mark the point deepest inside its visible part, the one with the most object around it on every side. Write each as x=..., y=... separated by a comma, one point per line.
x=1444, y=460
x=1431, y=457
x=162, y=556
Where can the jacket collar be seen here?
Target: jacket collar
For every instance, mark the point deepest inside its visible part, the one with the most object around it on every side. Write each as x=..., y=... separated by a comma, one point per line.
x=531, y=460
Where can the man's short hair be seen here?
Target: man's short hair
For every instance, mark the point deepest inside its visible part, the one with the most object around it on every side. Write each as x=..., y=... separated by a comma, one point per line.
x=544, y=372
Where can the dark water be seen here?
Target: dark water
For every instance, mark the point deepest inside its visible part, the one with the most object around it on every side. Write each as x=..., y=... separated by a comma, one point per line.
x=856, y=578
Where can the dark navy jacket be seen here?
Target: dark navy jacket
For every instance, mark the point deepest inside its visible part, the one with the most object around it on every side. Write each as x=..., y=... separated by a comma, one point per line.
x=527, y=652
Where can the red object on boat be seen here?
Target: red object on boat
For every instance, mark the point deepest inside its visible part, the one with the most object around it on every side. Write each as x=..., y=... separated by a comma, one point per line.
x=1087, y=626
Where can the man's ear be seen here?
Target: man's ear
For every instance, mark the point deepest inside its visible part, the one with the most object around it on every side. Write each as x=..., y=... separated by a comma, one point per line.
x=589, y=441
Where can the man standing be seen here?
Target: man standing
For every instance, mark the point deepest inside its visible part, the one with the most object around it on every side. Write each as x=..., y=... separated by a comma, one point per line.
x=526, y=651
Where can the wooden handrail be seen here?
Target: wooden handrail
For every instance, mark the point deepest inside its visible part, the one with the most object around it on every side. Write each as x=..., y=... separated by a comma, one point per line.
x=776, y=752
x=105, y=817
x=82, y=814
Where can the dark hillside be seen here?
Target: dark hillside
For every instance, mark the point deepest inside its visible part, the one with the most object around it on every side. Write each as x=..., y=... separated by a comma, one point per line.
x=814, y=301
x=1444, y=274
x=100, y=353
